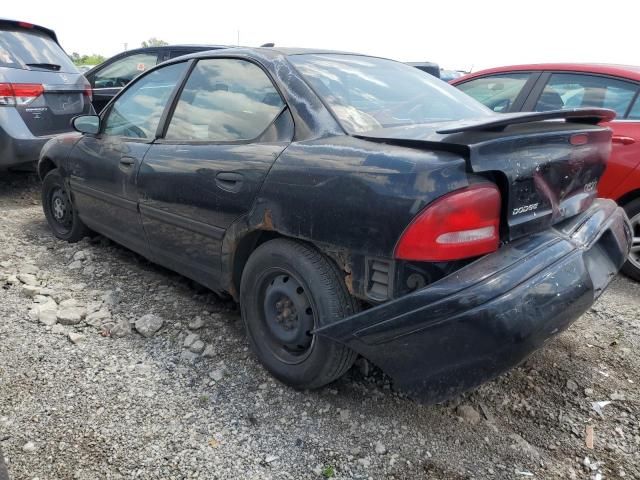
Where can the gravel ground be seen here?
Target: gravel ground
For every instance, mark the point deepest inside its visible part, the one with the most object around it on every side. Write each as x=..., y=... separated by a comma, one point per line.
x=90, y=397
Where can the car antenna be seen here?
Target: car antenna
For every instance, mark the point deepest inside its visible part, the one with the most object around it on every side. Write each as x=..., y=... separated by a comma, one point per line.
x=270, y=44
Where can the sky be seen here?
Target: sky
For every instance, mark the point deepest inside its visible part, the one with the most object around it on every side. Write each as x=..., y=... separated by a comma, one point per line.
x=466, y=35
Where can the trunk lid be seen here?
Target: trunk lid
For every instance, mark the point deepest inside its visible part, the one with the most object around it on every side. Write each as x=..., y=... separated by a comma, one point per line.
x=547, y=171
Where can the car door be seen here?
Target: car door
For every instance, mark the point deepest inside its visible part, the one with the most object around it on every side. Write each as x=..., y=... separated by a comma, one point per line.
x=567, y=90
x=228, y=127
x=103, y=167
x=501, y=92
x=112, y=76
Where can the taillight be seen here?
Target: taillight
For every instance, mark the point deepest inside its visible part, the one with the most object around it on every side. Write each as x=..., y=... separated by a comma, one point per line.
x=19, y=94
x=88, y=91
x=462, y=224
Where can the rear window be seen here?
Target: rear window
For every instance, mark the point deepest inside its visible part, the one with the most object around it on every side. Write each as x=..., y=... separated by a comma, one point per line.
x=32, y=50
x=367, y=93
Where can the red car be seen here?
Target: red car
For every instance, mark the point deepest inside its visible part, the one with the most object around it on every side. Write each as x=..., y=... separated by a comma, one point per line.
x=543, y=87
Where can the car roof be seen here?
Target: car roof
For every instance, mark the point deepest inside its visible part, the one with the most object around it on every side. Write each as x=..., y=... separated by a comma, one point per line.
x=630, y=72
x=273, y=52
x=28, y=26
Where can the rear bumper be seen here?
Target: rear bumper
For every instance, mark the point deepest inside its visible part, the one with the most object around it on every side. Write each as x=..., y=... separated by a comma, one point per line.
x=17, y=143
x=490, y=315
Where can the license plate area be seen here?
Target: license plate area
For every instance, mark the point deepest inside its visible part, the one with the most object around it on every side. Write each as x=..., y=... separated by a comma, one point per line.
x=64, y=103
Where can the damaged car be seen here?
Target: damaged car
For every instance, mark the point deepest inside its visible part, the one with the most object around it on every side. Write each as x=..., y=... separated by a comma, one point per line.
x=352, y=205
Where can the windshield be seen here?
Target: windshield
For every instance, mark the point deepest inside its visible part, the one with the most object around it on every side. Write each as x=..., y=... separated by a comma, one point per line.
x=30, y=49
x=368, y=93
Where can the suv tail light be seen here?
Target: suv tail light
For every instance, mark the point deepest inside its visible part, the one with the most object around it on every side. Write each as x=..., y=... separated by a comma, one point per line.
x=88, y=91
x=18, y=94
x=462, y=224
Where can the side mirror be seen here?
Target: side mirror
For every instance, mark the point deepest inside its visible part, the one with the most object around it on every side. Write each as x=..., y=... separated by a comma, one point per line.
x=86, y=124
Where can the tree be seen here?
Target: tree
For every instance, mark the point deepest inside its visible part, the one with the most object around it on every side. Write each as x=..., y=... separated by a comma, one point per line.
x=93, y=59
x=154, y=42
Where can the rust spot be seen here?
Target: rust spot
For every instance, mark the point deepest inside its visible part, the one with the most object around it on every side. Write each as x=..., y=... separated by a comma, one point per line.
x=348, y=281
x=267, y=220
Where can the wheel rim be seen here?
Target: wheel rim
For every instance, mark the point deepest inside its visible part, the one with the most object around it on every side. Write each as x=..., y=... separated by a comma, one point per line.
x=289, y=317
x=634, y=256
x=61, y=210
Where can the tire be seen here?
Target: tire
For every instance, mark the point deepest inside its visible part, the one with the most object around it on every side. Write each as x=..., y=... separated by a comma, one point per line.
x=632, y=267
x=287, y=290
x=58, y=209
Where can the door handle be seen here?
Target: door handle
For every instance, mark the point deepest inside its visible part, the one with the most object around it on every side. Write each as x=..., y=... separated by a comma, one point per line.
x=229, y=181
x=622, y=140
x=127, y=161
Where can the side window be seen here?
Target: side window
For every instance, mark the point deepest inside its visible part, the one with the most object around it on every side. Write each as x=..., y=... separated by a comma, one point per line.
x=136, y=113
x=574, y=90
x=122, y=71
x=498, y=92
x=634, y=113
x=225, y=100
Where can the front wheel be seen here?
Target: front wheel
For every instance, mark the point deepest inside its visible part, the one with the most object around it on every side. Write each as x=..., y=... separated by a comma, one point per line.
x=59, y=211
x=632, y=267
x=288, y=289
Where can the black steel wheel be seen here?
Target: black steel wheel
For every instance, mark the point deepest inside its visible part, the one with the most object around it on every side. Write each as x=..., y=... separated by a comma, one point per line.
x=288, y=289
x=59, y=210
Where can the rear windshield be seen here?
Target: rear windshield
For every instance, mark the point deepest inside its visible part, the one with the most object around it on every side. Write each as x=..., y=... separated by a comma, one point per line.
x=32, y=50
x=368, y=93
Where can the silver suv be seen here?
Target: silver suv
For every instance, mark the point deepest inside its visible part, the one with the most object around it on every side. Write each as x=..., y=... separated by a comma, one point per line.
x=41, y=90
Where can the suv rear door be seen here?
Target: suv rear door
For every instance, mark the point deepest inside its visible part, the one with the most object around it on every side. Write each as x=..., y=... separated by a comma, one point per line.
x=111, y=76
x=46, y=87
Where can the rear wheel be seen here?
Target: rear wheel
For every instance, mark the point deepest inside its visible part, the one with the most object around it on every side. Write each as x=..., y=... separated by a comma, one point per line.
x=287, y=290
x=632, y=267
x=58, y=209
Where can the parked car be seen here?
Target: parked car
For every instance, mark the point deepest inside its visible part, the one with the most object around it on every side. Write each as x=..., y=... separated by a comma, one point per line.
x=40, y=91
x=108, y=78
x=352, y=205
x=428, y=67
x=540, y=88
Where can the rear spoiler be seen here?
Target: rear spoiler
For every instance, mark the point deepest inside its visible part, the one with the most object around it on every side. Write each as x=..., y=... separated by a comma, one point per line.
x=499, y=122
x=29, y=26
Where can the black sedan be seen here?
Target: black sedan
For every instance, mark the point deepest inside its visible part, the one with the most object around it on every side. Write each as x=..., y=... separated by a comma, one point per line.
x=352, y=205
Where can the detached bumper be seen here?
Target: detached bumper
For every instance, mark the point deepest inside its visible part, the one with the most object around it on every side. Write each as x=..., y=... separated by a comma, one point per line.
x=490, y=315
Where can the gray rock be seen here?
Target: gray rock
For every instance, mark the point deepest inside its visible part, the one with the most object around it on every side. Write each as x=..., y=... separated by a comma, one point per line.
x=78, y=287
x=111, y=298
x=149, y=324
x=270, y=458
x=571, y=385
x=120, y=329
x=47, y=317
x=29, y=269
x=70, y=315
x=12, y=280
x=76, y=338
x=365, y=462
x=97, y=319
x=69, y=302
x=380, y=448
x=29, y=447
x=30, y=291
x=197, y=346
x=190, y=340
x=80, y=255
x=468, y=413
x=27, y=278
x=217, y=374
x=75, y=265
x=58, y=330
x=209, y=351
x=196, y=324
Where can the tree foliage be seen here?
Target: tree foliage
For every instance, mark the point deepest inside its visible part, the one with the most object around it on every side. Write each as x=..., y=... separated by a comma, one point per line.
x=154, y=42
x=93, y=59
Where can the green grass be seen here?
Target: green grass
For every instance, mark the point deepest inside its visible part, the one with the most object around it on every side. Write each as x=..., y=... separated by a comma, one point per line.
x=328, y=471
